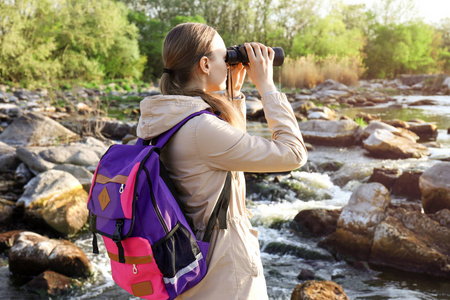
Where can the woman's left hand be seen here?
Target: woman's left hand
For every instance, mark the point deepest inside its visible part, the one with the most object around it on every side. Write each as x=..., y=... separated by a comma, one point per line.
x=238, y=74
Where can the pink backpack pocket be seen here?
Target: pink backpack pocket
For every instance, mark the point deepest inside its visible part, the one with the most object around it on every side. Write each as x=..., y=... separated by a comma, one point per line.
x=139, y=275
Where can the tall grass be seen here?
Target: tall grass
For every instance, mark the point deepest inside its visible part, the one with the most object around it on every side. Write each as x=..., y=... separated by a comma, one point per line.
x=309, y=71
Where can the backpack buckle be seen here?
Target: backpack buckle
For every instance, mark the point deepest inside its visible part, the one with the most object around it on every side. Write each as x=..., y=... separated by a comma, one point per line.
x=117, y=238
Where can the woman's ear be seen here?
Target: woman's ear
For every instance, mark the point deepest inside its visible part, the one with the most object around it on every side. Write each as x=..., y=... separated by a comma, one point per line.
x=204, y=65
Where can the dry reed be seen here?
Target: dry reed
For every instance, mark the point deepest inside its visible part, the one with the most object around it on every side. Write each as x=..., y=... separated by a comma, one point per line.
x=307, y=72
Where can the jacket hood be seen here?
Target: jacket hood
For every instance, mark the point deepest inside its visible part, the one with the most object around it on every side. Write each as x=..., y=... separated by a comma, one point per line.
x=161, y=112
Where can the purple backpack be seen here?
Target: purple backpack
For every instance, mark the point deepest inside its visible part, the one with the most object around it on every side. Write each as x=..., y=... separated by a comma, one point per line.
x=132, y=203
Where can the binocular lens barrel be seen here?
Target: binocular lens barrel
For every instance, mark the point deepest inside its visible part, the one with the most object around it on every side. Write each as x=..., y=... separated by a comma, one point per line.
x=238, y=54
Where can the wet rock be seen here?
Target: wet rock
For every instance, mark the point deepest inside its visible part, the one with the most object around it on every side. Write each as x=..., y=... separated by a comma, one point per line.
x=331, y=84
x=413, y=242
x=442, y=217
x=319, y=222
x=426, y=131
x=396, y=123
x=33, y=254
x=22, y=174
x=424, y=102
x=35, y=129
x=306, y=274
x=7, y=239
x=357, y=222
x=302, y=252
x=50, y=283
x=6, y=210
x=407, y=184
x=253, y=107
x=435, y=187
x=34, y=162
x=318, y=290
x=302, y=106
x=392, y=236
x=8, y=158
x=375, y=125
x=386, y=177
x=330, y=133
x=321, y=113
x=57, y=198
x=384, y=144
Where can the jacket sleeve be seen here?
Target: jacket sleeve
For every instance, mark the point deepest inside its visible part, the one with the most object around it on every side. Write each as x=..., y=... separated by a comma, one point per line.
x=224, y=147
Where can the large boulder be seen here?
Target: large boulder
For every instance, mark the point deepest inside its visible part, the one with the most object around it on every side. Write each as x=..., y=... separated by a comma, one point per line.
x=384, y=144
x=426, y=131
x=400, y=237
x=435, y=187
x=330, y=133
x=357, y=222
x=33, y=254
x=31, y=158
x=375, y=125
x=58, y=198
x=411, y=241
x=35, y=129
x=318, y=290
x=81, y=155
x=318, y=222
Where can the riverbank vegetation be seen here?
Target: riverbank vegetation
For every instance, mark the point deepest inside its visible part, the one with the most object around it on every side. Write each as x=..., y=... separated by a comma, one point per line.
x=65, y=43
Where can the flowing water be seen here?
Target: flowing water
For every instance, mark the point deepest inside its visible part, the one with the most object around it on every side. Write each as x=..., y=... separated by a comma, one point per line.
x=313, y=190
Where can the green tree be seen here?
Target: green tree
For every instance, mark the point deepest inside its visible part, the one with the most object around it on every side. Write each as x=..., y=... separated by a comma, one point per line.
x=329, y=36
x=398, y=49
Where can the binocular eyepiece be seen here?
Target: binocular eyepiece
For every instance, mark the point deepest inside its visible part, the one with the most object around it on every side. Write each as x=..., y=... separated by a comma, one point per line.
x=238, y=54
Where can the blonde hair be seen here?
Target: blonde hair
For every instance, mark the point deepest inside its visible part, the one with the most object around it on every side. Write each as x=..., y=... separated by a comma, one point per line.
x=183, y=48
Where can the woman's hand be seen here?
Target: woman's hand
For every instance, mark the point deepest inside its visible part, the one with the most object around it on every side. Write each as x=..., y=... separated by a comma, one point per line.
x=237, y=75
x=260, y=68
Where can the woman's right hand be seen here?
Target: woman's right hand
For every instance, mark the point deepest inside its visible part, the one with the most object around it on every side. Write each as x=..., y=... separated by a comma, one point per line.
x=260, y=68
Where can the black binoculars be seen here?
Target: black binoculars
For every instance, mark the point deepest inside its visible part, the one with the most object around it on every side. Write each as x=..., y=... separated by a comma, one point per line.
x=238, y=54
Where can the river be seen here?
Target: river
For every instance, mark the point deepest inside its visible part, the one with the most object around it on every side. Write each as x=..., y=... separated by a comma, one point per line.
x=281, y=270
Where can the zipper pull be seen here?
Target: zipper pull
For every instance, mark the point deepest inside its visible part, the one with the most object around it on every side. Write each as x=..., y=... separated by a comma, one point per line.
x=121, y=188
x=134, y=269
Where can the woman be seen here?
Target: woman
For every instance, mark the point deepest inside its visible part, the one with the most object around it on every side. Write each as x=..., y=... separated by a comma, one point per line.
x=199, y=155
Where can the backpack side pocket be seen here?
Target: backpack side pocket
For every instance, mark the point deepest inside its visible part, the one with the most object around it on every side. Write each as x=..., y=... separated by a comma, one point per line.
x=180, y=259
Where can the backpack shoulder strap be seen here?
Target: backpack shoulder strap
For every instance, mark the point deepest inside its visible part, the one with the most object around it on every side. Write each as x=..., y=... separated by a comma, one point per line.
x=165, y=137
x=220, y=210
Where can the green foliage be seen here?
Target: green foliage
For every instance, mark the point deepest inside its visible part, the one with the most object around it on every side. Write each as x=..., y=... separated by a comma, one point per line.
x=361, y=122
x=398, y=49
x=329, y=36
x=48, y=40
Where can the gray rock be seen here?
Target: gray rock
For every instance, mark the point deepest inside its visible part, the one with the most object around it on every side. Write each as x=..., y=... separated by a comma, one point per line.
x=35, y=129
x=83, y=175
x=34, y=162
x=331, y=84
x=446, y=83
x=330, y=133
x=22, y=174
x=384, y=144
x=9, y=109
x=435, y=187
x=75, y=154
x=8, y=158
x=33, y=254
x=57, y=198
x=253, y=107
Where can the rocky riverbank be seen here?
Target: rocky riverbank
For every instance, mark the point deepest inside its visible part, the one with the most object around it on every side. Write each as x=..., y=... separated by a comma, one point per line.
x=49, y=148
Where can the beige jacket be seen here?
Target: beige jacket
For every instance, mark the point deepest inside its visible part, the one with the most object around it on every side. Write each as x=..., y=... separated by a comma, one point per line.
x=198, y=157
